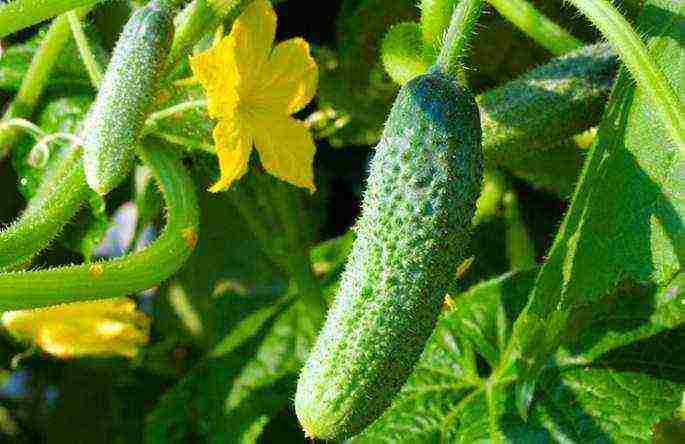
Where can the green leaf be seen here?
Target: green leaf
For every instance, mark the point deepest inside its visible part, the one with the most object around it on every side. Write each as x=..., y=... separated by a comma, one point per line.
x=630, y=314
x=250, y=375
x=62, y=115
x=247, y=379
x=458, y=392
x=625, y=224
x=69, y=70
x=230, y=298
x=197, y=407
x=402, y=52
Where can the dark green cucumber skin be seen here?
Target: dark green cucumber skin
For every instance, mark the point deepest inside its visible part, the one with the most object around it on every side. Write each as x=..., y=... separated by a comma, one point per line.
x=413, y=233
x=128, y=89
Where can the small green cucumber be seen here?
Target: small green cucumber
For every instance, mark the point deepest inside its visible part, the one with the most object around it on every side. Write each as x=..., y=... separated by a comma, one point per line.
x=128, y=89
x=413, y=233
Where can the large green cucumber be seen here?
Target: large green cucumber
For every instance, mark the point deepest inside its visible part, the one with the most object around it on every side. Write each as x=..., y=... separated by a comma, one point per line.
x=128, y=89
x=413, y=232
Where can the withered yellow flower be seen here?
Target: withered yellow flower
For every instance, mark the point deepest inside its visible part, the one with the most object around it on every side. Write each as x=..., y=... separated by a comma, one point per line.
x=253, y=91
x=98, y=328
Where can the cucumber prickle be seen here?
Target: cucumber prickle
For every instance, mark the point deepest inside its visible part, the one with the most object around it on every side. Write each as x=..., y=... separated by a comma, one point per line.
x=413, y=233
x=128, y=89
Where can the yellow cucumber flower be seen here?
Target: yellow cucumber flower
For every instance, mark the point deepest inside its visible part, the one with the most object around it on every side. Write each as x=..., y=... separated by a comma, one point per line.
x=253, y=91
x=98, y=328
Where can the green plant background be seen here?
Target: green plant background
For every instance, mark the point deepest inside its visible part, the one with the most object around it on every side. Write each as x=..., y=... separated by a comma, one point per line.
x=230, y=330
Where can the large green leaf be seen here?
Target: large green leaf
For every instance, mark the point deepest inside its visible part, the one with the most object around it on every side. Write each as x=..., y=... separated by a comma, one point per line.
x=251, y=374
x=197, y=407
x=555, y=170
x=625, y=224
x=457, y=393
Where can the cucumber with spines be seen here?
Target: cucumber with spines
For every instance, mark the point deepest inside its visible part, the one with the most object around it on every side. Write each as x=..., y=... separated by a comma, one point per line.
x=413, y=233
x=128, y=89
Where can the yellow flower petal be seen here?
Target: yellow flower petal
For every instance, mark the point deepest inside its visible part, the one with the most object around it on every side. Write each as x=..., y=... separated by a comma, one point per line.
x=253, y=33
x=286, y=149
x=216, y=71
x=233, y=146
x=289, y=80
x=99, y=328
x=252, y=91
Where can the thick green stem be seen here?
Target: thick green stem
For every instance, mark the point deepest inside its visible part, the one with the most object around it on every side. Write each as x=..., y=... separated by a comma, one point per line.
x=634, y=55
x=127, y=275
x=92, y=65
x=290, y=211
x=520, y=248
x=545, y=32
x=59, y=197
x=457, y=40
x=20, y=14
x=33, y=84
x=435, y=19
x=165, y=113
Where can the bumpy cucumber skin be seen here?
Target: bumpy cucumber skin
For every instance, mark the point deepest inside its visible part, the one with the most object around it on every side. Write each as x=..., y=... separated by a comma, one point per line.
x=413, y=232
x=127, y=91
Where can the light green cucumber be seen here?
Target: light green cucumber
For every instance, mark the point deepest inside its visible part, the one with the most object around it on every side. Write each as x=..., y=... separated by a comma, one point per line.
x=413, y=233
x=128, y=89
x=547, y=105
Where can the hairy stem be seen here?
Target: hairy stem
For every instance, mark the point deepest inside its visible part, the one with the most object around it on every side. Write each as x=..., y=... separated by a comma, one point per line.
x=545, y=32
x=122, y=276
x=165, y=113
x=92, y=66
x=59, y=197
x=459, y=33
x=435, y=19
x=634, y=55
